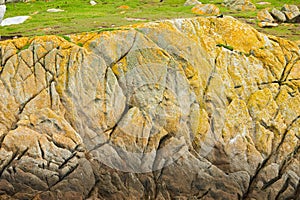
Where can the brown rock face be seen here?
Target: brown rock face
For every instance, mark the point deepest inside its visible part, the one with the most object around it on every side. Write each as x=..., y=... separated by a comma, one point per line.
x=180, y=109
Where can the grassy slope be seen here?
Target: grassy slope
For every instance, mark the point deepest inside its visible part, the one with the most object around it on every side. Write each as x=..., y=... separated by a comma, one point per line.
x=80, y=16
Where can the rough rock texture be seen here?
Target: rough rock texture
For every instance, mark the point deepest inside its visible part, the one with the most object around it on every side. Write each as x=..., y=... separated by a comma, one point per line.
x=191, y=2
x=265, y=16
x=2, y=12
x=291, y=11
x=278, y=15
x=267, y=24
x=241, y=5
x=206, y=9
x=162, y=110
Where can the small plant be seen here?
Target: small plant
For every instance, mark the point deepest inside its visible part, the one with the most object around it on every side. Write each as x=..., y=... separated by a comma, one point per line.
x=112, y=29
x=225, y=46
x=80, y=44
x=26, y=46
x=66, y=37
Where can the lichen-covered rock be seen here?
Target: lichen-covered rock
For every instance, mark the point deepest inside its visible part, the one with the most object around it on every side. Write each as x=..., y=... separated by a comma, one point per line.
x=177, y=109
x=291, y=11
x=240, y=5
x=267, y=24
x=265, y=16
x=278, y=15
x=206, y=9
x=191, y=2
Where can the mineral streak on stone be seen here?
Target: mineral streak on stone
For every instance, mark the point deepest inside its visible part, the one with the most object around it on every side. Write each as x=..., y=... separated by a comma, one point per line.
x=179, y=109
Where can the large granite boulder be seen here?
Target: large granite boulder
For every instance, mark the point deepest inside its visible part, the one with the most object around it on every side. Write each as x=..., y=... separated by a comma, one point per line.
x=291, y=12
x=178, y=109
x=265, y=16
x=278, y=15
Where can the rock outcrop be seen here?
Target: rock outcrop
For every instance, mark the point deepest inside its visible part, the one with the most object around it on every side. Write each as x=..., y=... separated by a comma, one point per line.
x=291, y=12
x=180, y=109
x=191, y=2
x=240, y=5
x=278, y=15
x=206, y=9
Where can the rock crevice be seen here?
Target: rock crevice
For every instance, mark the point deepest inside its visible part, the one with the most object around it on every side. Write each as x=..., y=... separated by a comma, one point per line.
x=185, y=108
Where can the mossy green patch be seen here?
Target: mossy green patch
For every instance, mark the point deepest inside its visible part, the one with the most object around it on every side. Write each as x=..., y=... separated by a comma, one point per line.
x=225, y=46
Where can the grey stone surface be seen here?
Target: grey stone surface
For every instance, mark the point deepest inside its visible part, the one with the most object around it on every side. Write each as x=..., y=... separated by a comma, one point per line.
x=291, y=11
x=278, y=15
x=241, y=5
x=2, y=12
x=191, y=2
x=264, y=16
x=14, y=20
x=54, y=10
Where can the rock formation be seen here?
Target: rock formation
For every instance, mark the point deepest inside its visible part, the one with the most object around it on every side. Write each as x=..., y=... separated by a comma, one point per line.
x=278, y=15
x=240, y=5
x=206, y=9
x=179, y=109
x=291, y=12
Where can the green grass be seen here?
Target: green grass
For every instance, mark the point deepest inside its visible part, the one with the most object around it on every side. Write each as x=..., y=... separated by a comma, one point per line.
x=80, y=16
x=225, y=46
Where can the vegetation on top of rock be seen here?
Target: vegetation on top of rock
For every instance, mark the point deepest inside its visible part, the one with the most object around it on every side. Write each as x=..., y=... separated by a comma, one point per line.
x=80, y=16
x=225, y=46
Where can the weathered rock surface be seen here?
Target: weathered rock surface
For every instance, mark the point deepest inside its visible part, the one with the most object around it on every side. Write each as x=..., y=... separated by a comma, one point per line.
x=191, y=2
x=162, y=110
x=2, y=12
x=291, y=11
x=93, y=3
x=278, y=15
x=265, y=16
x=14, y=20
x=267, y=24
x=241, y=5
x=54, y=10
x=206, y=9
